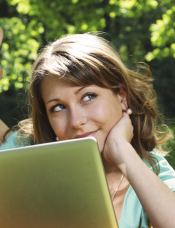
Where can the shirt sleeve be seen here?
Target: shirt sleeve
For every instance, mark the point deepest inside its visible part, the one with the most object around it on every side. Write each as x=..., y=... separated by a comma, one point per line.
x=13, y=142
x=167, y=173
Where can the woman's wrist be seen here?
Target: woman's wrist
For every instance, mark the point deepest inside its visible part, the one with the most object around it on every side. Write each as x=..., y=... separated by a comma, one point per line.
x=126, y=156
x=116, y=152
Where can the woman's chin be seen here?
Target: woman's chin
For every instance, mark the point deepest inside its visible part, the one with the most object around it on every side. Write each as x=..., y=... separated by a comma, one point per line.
x=101, y=139
x=101, y=147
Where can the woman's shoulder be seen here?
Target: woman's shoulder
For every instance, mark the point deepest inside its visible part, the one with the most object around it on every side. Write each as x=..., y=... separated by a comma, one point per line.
x=14, y=141
x=166, y=172
x=161, y=162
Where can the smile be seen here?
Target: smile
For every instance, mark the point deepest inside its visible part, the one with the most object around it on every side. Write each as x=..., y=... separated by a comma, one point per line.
x=87, y=134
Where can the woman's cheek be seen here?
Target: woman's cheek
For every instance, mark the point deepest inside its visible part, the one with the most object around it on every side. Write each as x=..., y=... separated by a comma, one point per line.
x=55, y=125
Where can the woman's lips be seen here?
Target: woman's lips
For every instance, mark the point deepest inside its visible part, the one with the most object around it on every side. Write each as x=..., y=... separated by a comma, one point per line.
x=87, y=134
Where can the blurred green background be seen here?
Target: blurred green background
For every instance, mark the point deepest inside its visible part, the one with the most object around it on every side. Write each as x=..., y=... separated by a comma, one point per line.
x=141, y=30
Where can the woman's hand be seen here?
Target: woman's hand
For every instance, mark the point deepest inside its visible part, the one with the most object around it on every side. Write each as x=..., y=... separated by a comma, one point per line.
x=120, y=135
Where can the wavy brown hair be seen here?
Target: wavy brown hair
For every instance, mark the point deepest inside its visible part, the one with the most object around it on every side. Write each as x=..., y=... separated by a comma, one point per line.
x=86, y=59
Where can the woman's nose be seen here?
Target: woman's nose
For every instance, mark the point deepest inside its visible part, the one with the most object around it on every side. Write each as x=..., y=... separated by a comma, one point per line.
x=77, y=118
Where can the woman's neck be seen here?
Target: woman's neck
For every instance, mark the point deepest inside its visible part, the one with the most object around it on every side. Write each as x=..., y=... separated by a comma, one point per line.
x=109, y=168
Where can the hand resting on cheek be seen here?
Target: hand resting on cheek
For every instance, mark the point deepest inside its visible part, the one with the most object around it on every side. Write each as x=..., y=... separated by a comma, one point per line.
x=120, y=134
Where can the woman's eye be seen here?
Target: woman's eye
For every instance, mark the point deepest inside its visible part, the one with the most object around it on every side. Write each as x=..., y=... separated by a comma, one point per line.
x=58, y=108
x=88, y=97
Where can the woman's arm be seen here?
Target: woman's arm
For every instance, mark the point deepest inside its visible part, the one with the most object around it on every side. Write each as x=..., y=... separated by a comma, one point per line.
x=3, y=129
x=156, y=198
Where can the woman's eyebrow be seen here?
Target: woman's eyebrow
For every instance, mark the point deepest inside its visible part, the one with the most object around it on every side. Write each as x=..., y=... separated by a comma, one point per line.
x=76, y=92
x=56, y=99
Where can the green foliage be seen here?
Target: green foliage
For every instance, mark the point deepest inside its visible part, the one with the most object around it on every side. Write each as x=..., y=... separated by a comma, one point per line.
x=131, y=8
x=37, y=22
x=19, y=49
x=33, y=23
x=13, y=106
x=163, y=35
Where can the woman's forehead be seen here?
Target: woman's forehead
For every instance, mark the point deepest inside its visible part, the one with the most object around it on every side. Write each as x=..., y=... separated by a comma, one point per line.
x=51, y=84
x=53, y=88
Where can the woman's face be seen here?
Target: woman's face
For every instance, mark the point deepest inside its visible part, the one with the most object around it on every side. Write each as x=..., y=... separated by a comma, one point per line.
x=77, y=112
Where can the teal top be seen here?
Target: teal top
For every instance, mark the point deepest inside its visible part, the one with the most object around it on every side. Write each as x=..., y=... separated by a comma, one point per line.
x=12, y=142
x=133, y=215
x=137, y=218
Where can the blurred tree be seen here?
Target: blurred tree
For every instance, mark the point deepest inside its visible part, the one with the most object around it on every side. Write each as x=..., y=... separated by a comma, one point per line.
x=163, y=34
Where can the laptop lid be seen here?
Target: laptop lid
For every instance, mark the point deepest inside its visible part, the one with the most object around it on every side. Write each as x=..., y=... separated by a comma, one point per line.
x=60, y=184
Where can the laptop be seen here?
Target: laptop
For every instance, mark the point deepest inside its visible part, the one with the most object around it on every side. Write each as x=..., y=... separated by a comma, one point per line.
x=55, y=185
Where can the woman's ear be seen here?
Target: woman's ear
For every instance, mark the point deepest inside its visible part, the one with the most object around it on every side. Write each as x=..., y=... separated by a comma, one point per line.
x=123, y=97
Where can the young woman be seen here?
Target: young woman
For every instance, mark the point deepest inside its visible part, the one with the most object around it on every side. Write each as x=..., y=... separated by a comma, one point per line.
x=80, y=88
